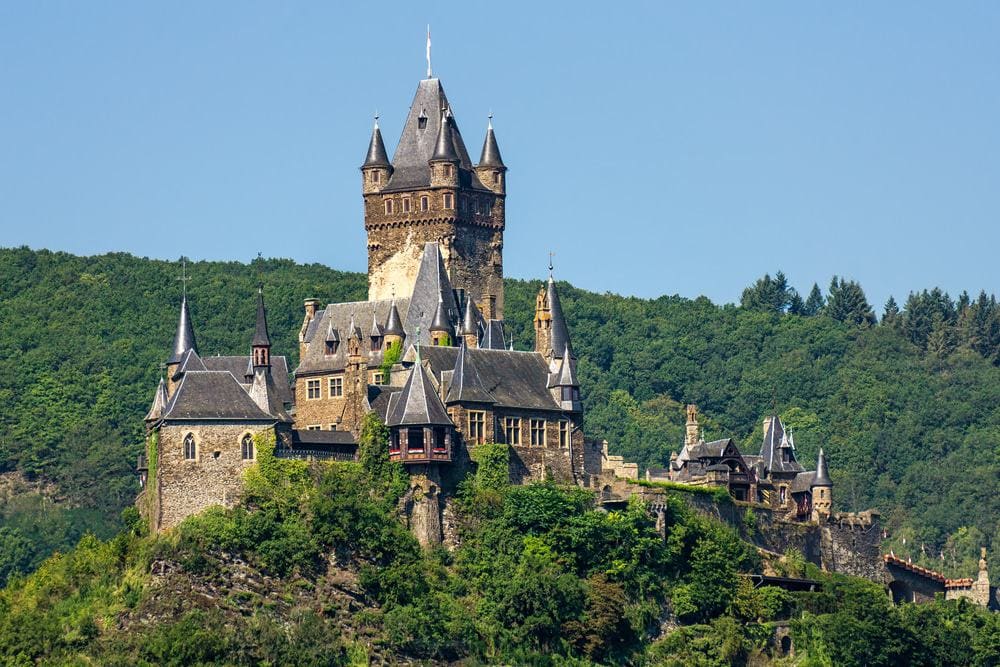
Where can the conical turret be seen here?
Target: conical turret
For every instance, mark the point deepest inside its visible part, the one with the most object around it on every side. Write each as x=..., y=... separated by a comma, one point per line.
x=470, y=324
x=441, y=328
x=184, y=338
x=377, y=156
x=564, y=385
x=551, y=332
x=490, y=156
x=822, y=471
x=159, y=402
x=376, y=170
x=444, y=147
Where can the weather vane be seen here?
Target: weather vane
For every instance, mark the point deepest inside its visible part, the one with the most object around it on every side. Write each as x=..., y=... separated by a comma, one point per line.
x=551, y=255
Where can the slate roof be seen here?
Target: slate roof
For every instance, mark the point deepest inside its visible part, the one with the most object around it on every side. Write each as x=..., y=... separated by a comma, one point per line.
x=159, y=401
x=376, y=156
x=184, y=338
x=471, y=321
x=566, y=376
x=822, y=471
x=212, y=395
x=493, y=336
x=803, y=481
x=190, y=361
x=338, y=316
x=307, y=437
x=514, y=379
x=418, y=402
x=560, y=332
x=444, y=147
x=490, y=157
x=774, y=441
x=260, y=337
x=394, y=325
x=416, y=145
x=240, y=365
x=378, y=400
x=712, y=449
x=430, y=287
x=264, y=393
x=466, y=385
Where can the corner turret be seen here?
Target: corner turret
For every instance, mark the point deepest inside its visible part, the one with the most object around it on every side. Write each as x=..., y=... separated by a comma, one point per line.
x=822, y=490
x=491, y=169
x=440, y=328
x=470, y=324
x=444, y=161
x=376, y=170
x=183, y=343
x=261, y=343
x=551, y=332
x=393, y=327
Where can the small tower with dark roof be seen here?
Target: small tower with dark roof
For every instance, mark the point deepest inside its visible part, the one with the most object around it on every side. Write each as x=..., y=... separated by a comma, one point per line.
x=470, y=324
x=822, y=490
x=394, y=332
x=491, y=169
x=183, y=342
x=441, y=329
x=261, y=343
x=376, y=170
x=444, y=161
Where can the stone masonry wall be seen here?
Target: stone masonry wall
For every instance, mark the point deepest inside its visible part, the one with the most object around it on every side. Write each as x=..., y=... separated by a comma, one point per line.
x=214, y=477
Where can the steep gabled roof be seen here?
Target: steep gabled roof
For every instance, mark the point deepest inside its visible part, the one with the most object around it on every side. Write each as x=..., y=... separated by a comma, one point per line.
x=418, y=403
x=493, y=336
x=466, y=385
x=189, y=361
x=430, y=288
x=566, y=376
x=242, y=367
x=410, y=168
x=775, y=441
x=212, y=395
x=159, y=402
x=184, y=338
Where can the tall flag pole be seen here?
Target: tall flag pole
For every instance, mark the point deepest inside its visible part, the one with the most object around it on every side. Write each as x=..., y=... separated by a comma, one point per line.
x=429, y=75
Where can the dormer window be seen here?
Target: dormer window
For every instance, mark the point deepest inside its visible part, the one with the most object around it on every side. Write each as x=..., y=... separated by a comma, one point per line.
x=331, y=347
x=448, y=201
x=425, y=203
x=388, y=206
x=376, y=343
x=422, y=121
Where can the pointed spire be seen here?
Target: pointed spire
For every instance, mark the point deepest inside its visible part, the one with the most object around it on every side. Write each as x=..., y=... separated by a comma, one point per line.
x=444, y=148
x=822, y=471
x=260, y=337
x=248, y=373
x=184, y=339
x=440, y=321
x=490, y=156
x=466, y=385
x=394, y=325
x=159, y=402
x=567, y=374
x=470, y=322
x=377, y=330
x=332, y=335
x=377, y=157
x=560, y=332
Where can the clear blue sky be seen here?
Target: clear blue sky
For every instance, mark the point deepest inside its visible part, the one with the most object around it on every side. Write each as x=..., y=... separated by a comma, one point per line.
x=657, y=148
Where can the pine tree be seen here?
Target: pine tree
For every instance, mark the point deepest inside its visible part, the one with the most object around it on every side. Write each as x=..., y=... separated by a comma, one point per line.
x=796, y=305
x=847, y=303
x=814, y=302
x=890, y=316
x=769, y=295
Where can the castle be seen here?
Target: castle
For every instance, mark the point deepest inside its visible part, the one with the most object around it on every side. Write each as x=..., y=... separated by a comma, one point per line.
x=428, y=353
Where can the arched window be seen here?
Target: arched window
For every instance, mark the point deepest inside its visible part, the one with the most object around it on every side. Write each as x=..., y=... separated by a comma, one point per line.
x=190, y=449
x=246, y=447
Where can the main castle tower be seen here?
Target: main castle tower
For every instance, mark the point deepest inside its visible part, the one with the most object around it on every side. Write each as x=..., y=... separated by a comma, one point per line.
x=431, y=192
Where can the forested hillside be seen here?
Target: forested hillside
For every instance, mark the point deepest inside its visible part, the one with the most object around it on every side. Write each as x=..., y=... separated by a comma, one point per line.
x=906, y=409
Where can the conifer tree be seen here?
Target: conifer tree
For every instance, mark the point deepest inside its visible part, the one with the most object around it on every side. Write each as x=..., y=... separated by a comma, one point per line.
x=847, y=303
x=814, y=302
x=890, y=316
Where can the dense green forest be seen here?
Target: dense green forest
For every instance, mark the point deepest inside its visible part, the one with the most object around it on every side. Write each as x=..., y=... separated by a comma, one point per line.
x=314, y=568
x=907, y=406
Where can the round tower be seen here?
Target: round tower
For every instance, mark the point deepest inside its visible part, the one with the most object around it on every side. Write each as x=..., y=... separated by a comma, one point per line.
x=822, y=491
x=376, y=170
x=445, y=161
x=491, y=170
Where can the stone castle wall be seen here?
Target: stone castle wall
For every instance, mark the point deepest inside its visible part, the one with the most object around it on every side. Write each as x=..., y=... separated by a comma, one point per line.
x=214, y=477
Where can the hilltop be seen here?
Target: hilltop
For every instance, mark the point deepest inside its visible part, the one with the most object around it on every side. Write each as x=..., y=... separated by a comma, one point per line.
x=906, y=409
